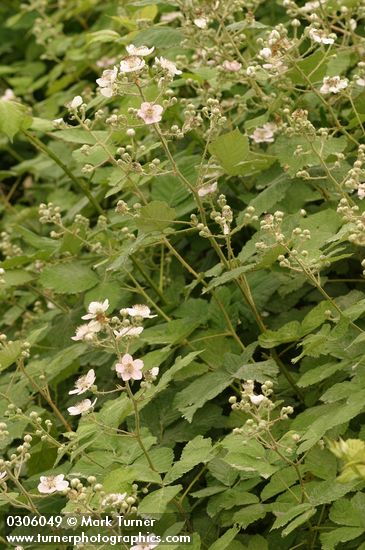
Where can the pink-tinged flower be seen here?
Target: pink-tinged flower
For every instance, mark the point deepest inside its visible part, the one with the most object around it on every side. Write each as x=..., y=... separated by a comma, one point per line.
x=131, y=332
x=84, y=383
x=265, y=53
x=129, y=368
x=232, y=66
x=168, y=65
x=333, y=85
x=113, y=499
x=139, y=50
x=86, y=332
x=106, y=82
x=131, y=64
x=2, y=476
x=52, y=484
x=361, y=191
x=76, y=102
x=201, y=22
x=150, y=113
x=96, y=310
x=146, y=545
x=264, y=134
x=81, y=407
x=320, y=36
x=257, y=399
x=138, y=310
x=360, y=82
x=105, y=62
x=8, y=95
x=207, y=189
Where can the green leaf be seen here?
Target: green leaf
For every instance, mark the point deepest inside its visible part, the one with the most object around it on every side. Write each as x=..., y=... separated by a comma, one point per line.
x=9, y=354
x=312, y=68
x=68, y=278
x=228, y=276
x=343, y=534
x=249, y=514
x=290, y=332
x=195, y=451
x=160, y=37
x=225, y=540
x=13, y=118
x=303, y=518
x=230, y=149
x=155, y=216
x=156, y=502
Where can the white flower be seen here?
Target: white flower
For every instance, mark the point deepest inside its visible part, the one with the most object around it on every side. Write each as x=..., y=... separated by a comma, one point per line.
x=201, y=22
x=264, y=134
x=52, y=484
x=138, y=310
x=106, y=81
x=333, y=84
x=154, y=372
x=2, y=475
x=361, y=191
x=265, y=53
x=84, y=383
x=76, y=102
x=2, y=271
x=139, y=50
x=360, y=82
x=170, y=16
x=8, y=95
x=129, y=368
x=128, y=331
x=145, y=545
x=167, y=65
x=232, y=66
x=131, y=64
x=58, y=122
x=207, y=189
x=320, y=36
x=311, y=6
x=96, y=310
x=81, y=407
x=257, y=399
x=86, y=332
x=113, y=499
x=150, y=113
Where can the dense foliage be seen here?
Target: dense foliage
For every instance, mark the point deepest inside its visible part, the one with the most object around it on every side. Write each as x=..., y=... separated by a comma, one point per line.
x=182, y=247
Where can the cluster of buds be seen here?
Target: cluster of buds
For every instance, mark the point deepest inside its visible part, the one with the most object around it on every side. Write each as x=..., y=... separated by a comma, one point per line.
x=213, y=111
x=49, y=213
x=259, y=407
x=7, y=248
x=224, y=218
x=16, y=461
x=356, y=221
x=272, y=223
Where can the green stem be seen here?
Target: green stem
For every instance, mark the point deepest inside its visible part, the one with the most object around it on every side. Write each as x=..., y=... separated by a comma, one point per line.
x=78, y=183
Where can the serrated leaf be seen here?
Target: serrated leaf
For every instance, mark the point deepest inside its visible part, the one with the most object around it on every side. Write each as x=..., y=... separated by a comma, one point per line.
x=13, y=118
x=155, y=216
x=68, y=278
x=230, y=149
x=195, y=451
x=156, y=502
